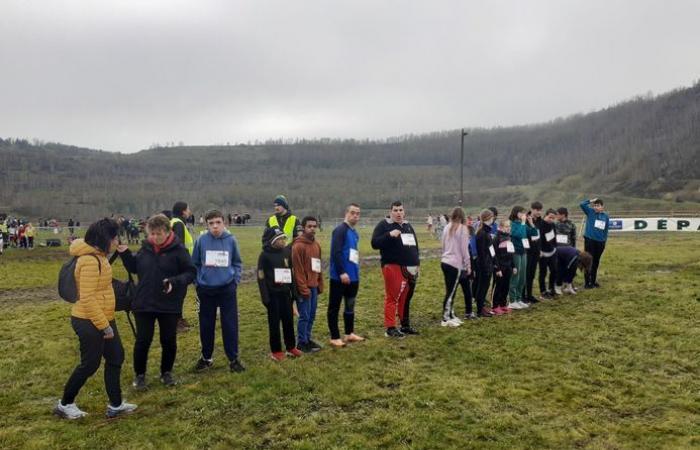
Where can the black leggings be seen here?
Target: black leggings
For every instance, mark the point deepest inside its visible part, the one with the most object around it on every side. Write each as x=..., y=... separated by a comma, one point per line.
x=337, y=293
x=548, y=263
x=453, y=277
x=596, y=249
x=411, y=286
x=280, y=310
x=500, y=291
x=533, y=258
x=145, y=328
x=483, y=283
x=93, y=346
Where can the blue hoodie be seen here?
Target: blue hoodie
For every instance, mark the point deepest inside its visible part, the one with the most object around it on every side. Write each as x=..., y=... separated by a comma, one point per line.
x=592, y=232
x=217, y=276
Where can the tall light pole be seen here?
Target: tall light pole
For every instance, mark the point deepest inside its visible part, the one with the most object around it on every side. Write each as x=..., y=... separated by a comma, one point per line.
x=461, y=169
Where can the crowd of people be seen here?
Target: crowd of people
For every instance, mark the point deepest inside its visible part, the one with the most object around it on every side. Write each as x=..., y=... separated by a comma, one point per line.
x=290, y=278
x=16, y=233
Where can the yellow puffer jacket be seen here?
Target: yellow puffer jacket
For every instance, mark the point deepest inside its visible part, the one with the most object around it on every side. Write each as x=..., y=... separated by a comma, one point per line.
x=94, y=282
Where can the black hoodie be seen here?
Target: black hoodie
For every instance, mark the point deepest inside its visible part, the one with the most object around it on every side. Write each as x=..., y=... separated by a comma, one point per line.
x=270, y=259
x=504, y=258
x=174, y=263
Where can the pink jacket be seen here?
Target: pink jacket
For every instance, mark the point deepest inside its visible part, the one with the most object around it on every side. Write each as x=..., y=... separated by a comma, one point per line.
x=455, y=247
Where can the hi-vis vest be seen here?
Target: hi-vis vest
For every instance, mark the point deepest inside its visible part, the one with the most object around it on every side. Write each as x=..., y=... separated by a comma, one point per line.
x=3, y=227
x=288, y=225
x=189, y=243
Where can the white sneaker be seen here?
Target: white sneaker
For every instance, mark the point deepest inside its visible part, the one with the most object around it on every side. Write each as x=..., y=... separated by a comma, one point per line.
x=568, y=289
x=70, y=411
x=449, y=323
x=557, y=290
x=121, y=410
x=514, y=305
x=458, y=320
x=523, y=305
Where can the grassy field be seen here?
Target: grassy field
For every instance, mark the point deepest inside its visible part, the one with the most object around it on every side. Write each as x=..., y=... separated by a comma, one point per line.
x=611, y=368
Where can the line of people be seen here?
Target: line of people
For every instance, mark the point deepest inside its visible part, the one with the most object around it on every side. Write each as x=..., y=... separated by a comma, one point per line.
x=289, y=276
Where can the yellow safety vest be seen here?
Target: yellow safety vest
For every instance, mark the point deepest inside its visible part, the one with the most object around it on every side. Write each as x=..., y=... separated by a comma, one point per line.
x=288, y=225
x=3, y=227
x=189, y=243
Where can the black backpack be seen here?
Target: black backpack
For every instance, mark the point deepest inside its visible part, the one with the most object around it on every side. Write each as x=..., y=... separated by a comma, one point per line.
x=67, y=288
x=124, y=291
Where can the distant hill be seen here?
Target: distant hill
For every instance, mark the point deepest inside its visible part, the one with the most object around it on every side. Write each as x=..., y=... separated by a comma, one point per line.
x=646, y=147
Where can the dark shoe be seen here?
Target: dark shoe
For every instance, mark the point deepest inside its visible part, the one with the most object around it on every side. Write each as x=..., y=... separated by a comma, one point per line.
x=203, y=364
x=182, y=325
x=588, y=286
x=547, y=295
x=236, y=366
x=139, y=382
x=394, y=333
x=304, y=347
x=314, y=347
x=532, y=300
x=409, y=330
x=596, y=285
x=470, y=316
x=167, y=379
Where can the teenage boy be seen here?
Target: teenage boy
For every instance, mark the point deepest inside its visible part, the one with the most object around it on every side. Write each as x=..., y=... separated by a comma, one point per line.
x=345, y=276
x=308, y=278
x=548, y=248
x=218, y=262
x=533, y=253
x=565, y=229
x=398, y=246
x=595, y=236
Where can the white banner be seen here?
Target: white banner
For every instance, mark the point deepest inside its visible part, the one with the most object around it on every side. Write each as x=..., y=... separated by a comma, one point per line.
x=656, y=224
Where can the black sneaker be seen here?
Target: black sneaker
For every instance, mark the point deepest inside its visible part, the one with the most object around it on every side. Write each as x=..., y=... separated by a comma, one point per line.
x=203, y=364
x=588, y=286
x=139, y=382
x=394, y=333
x=314, y=347
x=304, y=347
x=596, y=285
x=167, y=379
x=470, y=316
x=546, y=295
x=532, y=300
x=236, y=366
x=409, y=330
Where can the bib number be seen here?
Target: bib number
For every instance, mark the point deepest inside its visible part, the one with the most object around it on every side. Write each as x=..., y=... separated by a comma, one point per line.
x=316, y=265
x=408, y=239
x=492, y=251
x=354, y=256
x=549, y=236
x=526, y=243
x=510, y=248
x=216, y=258
x=283, y=276
x=562, y=239
x=599, y=224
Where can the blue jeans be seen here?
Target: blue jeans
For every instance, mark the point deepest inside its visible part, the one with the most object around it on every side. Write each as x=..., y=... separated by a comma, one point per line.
x=307, y=314
x=225, y=299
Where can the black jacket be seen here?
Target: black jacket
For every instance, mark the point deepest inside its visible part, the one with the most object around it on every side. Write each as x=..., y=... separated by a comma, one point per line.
x=391, y=249
x=270, y=259
x=484, y=260
x=547, y=246
x=536, y=244
x=173, y=263
x=504, y=259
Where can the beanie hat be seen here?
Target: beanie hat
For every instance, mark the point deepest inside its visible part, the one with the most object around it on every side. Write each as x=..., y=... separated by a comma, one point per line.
x=270, y=235
x=282, y=201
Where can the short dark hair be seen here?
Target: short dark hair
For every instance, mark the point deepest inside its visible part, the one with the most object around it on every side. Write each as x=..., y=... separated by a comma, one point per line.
x=179, y=208
x=395, y=203
x=493, y=210
x=308, y=219
x=101, y=233
x=514, y=212
x=213, y=214
x=550, y=211
x=563, y=211
x=350, y=205
x=536, y=205
x=598, y=201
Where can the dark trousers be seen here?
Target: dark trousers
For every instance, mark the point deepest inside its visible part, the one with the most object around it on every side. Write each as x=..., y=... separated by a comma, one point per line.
x=483, y=282
x=500, y=291
x=566, y=274
x=338, y=292
x=279, y=310
x=453, y=278
x=93, y=347
x=145, y=327
x=411, y=286
x=533, y=259
x=223, y=298
x=596, y=249
x=548, y=263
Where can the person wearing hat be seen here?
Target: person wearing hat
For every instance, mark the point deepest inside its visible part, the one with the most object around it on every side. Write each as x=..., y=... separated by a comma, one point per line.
x=275, y=284
x=283, y=219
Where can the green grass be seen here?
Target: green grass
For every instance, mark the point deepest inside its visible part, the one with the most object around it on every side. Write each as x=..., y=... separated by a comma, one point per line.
x=609, y=368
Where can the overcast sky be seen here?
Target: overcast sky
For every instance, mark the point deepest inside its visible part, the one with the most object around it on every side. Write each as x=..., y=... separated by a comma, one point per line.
x=122, y=75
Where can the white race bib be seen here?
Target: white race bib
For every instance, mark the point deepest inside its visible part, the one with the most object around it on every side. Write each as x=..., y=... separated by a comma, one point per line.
x=510, y=248
x=283, y=276
x=492, y=251
x=562, y=239
x=600, y=224
x=216, y=258
x=316, y=265
x=354, y=256
x=408, y=239
x=549, y=236
x=526, y=243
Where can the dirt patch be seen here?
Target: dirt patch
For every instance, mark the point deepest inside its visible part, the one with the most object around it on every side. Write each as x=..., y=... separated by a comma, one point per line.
x=14, y=297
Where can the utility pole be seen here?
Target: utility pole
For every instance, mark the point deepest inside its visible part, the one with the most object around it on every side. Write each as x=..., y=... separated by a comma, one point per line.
x=461, y=169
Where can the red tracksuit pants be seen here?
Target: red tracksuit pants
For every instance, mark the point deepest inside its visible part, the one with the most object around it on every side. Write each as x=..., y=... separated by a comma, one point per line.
x=396, y=289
